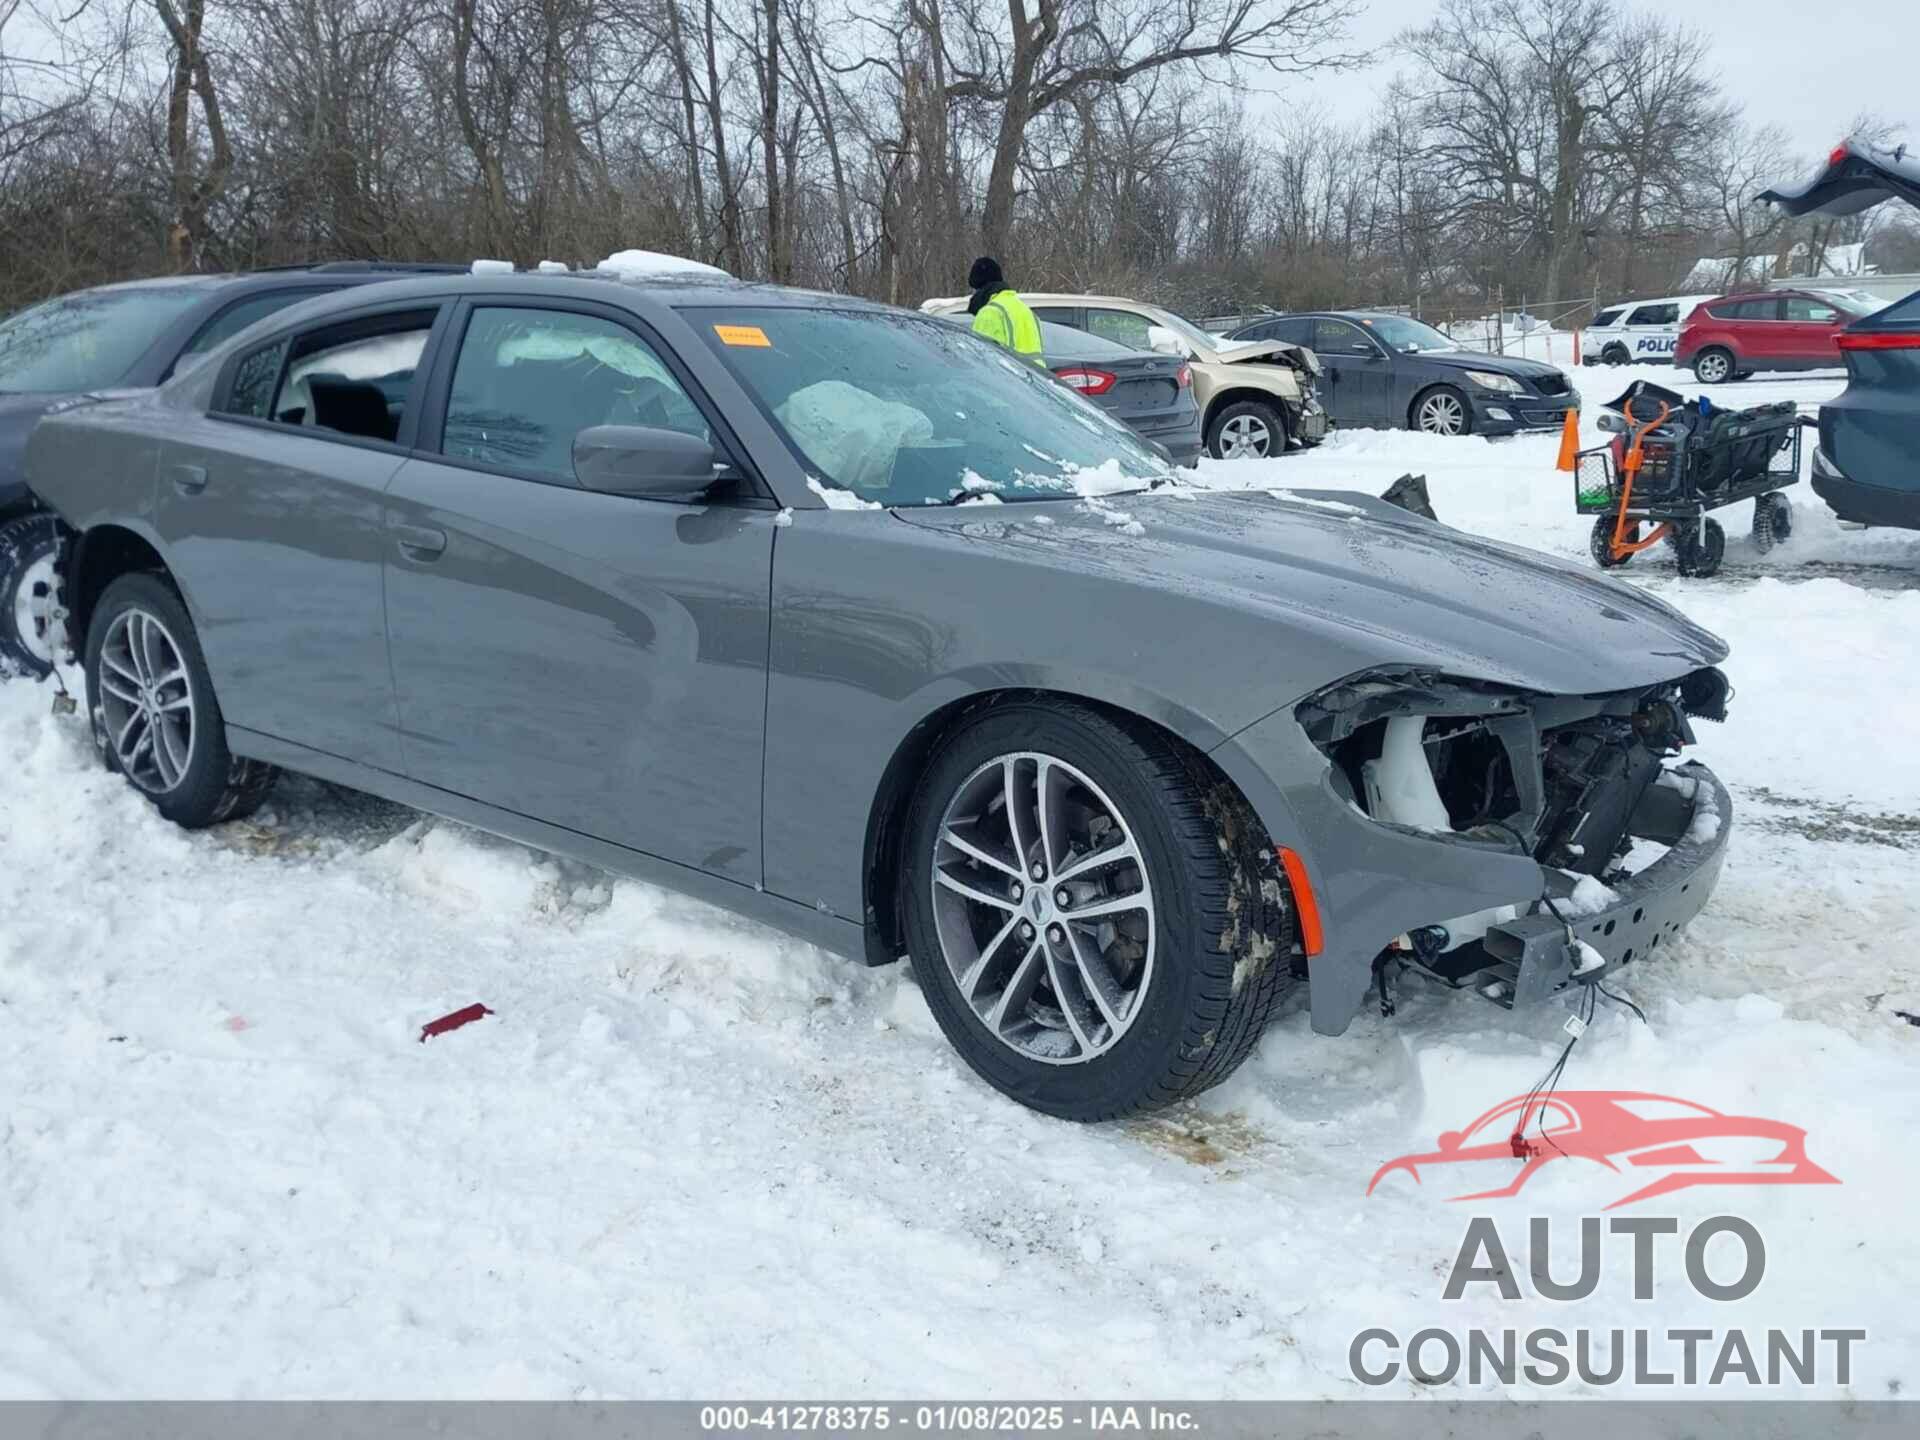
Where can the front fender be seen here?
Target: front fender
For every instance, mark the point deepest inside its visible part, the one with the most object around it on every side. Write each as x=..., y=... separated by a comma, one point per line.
x=1372, y=882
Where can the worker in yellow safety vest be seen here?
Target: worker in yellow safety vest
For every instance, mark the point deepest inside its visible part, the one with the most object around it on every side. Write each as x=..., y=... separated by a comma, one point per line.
x=1000, y=314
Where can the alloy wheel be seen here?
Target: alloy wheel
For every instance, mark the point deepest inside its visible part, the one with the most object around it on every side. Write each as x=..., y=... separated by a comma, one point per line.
x=1442, y=414
x=32, y=599
x=1245, y=437
x=146, y=701
x=1712, y=368
x=1043, y=908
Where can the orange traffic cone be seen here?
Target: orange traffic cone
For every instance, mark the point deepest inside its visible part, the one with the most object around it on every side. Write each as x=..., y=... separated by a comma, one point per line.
x=1570, y=443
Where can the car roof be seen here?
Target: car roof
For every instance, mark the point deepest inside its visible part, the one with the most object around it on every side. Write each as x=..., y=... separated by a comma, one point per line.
x=677, y=290
x=1658, y=300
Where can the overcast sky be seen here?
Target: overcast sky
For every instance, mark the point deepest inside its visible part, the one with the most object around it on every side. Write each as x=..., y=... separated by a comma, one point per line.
x=1808, y=68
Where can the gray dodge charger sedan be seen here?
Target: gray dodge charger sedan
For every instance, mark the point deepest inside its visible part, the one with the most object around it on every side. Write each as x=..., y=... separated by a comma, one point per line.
x=832, y=615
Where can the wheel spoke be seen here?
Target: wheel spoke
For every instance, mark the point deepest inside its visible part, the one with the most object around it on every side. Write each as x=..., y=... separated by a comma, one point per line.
x=170, y=751
x=1019, y=988
x=1010, y=769
x=1066, y=979
x=1112, y=855
x=951, y=835
x=118, y=688
x=1045, y=808
x=1097, y=979
x=123, y=671
x=972, y=892
x=970, y=981
x=1107, y=905
x=124, y=744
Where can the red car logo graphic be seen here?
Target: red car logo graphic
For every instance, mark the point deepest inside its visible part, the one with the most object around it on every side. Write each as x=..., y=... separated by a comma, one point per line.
x=1626, y=1131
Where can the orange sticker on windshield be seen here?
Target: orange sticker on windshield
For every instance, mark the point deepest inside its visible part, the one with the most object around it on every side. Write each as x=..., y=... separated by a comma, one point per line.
x=743, y=335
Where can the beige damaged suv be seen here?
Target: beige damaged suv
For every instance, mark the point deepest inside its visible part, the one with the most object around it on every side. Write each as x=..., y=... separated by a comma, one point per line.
x=1255, y=398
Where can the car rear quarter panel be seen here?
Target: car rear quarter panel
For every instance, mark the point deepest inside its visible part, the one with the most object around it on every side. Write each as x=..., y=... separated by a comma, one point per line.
x=97, y=464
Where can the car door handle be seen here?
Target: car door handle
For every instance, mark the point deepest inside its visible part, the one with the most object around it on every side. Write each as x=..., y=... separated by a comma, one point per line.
x=188, y=479
x=419, y=542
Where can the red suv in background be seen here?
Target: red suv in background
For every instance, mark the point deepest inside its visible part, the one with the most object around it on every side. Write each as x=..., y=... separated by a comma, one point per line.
x=1735, y=335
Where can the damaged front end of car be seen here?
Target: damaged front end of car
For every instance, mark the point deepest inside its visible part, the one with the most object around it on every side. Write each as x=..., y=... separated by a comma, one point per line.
x=1504, y=841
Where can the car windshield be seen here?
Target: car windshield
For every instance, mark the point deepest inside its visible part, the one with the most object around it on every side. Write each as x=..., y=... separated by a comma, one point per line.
x=897, y=409
x=1409, y=337
x=1197, y=339
x=87, y=341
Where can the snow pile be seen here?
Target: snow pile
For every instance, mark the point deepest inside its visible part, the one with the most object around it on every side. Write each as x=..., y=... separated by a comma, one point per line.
x=641, y=263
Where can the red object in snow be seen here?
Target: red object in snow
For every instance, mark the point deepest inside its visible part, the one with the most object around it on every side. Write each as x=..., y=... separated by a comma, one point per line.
x=454, y=1021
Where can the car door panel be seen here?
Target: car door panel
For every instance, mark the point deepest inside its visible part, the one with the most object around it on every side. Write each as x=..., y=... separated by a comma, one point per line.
x=593, y=661
x=1358, y=374
x=277, y=534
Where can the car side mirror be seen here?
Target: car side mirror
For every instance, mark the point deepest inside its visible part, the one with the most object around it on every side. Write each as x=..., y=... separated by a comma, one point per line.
x=645, y=462
x=1166, y=342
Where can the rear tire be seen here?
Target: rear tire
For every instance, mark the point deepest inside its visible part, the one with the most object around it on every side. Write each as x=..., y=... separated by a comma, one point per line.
x=1699, y=551
x=28, y=546
x=1197, y=978
x=1247, y=430
x=1713, y=365
x=154, y=714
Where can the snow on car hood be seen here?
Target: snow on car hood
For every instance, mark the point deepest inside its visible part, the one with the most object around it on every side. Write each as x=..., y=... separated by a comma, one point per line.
x=1362, y=581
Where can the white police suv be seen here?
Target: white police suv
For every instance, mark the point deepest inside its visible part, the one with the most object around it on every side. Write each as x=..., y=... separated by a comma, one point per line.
x=1637, y=332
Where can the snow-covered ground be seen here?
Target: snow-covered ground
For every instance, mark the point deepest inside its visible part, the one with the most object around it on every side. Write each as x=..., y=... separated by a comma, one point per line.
x=687, y=1157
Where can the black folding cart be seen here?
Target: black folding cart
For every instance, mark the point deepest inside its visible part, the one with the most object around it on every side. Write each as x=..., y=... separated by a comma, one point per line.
x=1671, y=460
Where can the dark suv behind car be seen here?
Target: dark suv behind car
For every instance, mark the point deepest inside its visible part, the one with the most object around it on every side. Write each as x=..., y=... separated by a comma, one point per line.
x=117, y=337
x=1391, y=370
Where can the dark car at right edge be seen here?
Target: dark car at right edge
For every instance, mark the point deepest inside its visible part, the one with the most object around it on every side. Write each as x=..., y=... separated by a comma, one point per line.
x=1867, y=466
x=1394, y=371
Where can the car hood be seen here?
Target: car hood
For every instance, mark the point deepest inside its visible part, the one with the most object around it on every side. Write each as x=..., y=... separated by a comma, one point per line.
x=18, y=414
x=1514, y=365
x=1358, y=583
x=1298, y=356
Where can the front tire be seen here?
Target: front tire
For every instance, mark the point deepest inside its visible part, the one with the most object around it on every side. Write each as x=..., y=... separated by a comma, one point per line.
x=154, y=714
x=1157, y=976
x=1600, y=543
x=1615, y=354
x=28, y=547
x=1442, y=410
x=1713, y=366
x=1247, y=430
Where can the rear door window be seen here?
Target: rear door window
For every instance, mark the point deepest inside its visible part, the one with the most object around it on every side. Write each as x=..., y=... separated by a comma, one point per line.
x=1810, y=312
x=1340, y=337
x=527, y=381
x=1059, y=315
x=354, y=378
x=1122, y=327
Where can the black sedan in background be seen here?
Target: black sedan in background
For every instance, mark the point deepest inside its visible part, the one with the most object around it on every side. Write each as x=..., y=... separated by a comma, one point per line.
x=1392, y=371
x=1150, y=392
